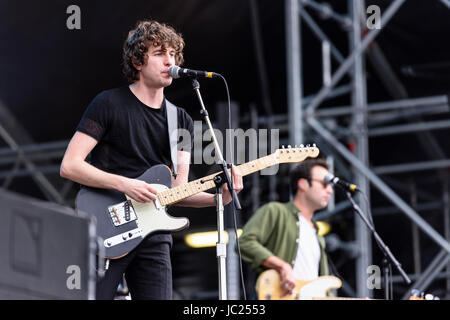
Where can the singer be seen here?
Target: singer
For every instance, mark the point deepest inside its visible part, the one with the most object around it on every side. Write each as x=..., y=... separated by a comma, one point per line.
x=126, y=132
x=283, y=236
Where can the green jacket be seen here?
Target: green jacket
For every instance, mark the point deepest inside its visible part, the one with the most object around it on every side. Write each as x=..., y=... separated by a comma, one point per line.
x=273, y=230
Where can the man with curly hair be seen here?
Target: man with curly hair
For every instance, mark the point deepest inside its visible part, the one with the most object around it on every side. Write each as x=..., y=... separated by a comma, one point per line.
x=126, y=132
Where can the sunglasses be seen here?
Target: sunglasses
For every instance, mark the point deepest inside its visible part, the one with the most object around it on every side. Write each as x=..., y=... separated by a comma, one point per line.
x=322, y=182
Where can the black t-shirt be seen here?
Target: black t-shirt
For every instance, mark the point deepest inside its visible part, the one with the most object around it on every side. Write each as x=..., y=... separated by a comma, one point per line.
x=131, y=136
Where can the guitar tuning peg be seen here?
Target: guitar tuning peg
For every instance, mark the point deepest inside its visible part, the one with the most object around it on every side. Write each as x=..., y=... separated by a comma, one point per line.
x=302, y=146
x=307, y=145
x=282, y=146
x=314, y=145
x=289, y=146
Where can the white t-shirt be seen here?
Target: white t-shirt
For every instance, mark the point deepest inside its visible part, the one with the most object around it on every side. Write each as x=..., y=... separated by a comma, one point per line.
x=306, y=266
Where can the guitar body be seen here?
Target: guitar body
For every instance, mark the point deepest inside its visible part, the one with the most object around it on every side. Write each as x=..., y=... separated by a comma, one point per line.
x=268, y=287
x=122, y=222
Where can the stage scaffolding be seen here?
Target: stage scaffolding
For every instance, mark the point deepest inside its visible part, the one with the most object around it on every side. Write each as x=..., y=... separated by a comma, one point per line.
x=307, y=116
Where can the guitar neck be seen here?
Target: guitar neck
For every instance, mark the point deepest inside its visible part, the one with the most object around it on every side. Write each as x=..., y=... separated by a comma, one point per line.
x=179, y=193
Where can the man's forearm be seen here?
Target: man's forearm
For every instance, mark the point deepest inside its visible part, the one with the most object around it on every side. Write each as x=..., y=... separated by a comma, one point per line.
x=88, y=175
x=199, y=200
x=273, y=262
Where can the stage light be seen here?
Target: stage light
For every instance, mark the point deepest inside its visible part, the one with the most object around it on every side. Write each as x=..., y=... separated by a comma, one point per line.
x=205, y=239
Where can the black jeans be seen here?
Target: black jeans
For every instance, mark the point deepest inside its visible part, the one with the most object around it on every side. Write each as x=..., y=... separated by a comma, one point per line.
x=147, y=269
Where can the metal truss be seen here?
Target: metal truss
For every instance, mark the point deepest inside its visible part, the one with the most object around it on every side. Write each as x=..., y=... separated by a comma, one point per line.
x=306, y=117
x=23, y=157
x=20, y=157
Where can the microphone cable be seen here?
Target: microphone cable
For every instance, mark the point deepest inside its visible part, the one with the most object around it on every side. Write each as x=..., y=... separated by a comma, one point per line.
x=366, y=200
x=372, y=224
x=369, y=211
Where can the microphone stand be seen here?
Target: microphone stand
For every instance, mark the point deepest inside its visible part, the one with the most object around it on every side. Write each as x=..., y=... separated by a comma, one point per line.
x=219, y=180
x=389, y=257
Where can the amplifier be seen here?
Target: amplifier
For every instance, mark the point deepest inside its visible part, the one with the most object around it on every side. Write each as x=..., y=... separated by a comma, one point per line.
x=48, y=251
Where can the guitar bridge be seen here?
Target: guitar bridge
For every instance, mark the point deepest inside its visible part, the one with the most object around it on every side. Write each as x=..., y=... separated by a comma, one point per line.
x=122, y=213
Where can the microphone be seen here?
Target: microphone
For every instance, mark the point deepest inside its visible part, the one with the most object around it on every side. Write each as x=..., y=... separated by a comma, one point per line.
x=177, y=72
x=329, y=178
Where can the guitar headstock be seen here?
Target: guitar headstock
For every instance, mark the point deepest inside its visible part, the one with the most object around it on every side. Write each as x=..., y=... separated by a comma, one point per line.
x=296, y=154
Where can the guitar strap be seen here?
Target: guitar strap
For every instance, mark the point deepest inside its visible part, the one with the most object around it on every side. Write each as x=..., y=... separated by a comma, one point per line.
x=172, y=126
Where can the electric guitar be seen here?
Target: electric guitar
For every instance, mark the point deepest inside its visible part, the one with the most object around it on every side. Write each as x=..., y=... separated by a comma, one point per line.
x=123, y=223
x=268, y=287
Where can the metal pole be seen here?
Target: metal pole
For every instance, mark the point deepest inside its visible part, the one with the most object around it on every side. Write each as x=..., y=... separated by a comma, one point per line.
x=326, y=11
x=446, y=201
x=414, y=166
x=413, y=127
x=387, y=105
x=221, y=247
x=294, y=72
x=326, y=63
x=359, y=128
x=415, y=233
x=234, y=151
x=440, y=275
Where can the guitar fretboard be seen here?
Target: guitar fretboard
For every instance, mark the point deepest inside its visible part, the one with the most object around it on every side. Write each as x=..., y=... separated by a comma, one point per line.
x=179, y=193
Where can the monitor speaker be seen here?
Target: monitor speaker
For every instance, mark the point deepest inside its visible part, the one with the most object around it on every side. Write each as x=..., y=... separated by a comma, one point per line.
x=48, y=251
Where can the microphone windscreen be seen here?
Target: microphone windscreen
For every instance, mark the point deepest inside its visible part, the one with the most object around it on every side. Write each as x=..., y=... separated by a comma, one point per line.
x=328, y=178
x=173, y=72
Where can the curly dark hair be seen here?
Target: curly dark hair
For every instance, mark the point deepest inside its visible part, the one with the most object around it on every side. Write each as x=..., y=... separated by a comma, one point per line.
x=303, y=170
x=138, y=41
